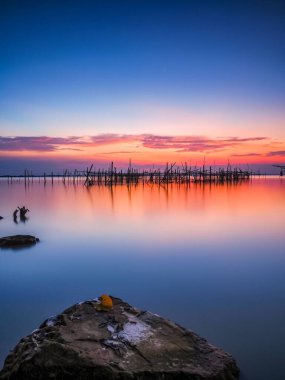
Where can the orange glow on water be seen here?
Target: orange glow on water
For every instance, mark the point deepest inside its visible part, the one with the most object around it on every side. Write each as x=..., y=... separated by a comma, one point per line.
x=158, y=213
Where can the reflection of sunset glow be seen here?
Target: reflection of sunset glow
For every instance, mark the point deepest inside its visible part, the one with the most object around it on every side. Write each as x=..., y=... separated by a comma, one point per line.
x=160, y=214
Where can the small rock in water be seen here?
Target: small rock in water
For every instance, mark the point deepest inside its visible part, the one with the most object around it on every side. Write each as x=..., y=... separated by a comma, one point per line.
x=18, y=240
x=121, y=343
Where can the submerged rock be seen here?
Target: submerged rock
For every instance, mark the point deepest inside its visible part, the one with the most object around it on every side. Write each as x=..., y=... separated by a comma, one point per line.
x=18, y=240
x=122, y=343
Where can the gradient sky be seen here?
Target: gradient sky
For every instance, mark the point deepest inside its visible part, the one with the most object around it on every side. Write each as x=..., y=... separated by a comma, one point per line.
x=94, y=81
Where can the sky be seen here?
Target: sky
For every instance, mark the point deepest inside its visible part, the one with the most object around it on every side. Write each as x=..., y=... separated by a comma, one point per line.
x=153, y=81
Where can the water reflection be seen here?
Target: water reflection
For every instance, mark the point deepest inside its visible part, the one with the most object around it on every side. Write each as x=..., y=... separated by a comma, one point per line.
x=217, y=250
x=18, y=248
x=219, y=210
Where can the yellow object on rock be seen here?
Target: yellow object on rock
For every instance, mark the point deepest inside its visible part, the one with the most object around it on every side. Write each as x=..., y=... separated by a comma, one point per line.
x=106, y=303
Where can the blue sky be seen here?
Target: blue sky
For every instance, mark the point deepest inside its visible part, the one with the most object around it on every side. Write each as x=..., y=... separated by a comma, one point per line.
x=187, y=68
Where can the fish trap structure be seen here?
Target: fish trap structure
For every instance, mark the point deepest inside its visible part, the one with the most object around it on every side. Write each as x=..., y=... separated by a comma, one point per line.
x=171, y=174
x=282, y=169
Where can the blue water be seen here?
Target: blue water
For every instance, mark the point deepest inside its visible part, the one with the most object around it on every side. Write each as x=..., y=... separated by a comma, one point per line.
x=211, y=258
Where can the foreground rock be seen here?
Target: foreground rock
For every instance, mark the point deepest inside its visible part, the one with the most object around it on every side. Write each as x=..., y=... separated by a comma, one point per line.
x=18, y=240
x=122, y=343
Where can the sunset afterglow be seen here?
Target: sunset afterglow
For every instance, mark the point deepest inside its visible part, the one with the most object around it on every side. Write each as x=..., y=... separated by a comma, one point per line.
x=154, y=82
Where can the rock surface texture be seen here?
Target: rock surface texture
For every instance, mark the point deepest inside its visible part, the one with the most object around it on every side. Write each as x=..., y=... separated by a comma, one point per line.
x=18, y=240
x=122, y=343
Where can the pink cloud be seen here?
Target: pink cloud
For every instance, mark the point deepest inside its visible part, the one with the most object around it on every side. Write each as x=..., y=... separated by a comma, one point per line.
x=194, y=143
x=280, y=153
x=112, y=138
x=246, y=155
x=177, y=143
x=39, y=144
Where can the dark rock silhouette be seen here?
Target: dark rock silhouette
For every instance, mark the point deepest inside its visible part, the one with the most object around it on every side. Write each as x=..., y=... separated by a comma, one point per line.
x=23, y=211
x=1, y=217
x=18, y=240
x=85, y=342
x=15, y=216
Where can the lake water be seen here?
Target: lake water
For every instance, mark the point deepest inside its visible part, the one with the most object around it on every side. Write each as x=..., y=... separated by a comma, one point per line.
x=211, y=258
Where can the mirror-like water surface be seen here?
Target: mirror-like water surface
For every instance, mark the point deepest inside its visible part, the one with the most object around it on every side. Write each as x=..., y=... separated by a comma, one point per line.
x=211, y=258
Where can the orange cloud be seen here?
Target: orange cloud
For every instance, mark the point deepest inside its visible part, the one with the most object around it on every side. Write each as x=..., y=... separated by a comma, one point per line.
x=150, y=148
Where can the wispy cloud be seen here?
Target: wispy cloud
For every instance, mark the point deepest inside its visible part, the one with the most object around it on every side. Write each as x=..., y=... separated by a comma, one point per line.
x=38, y=143
x=246, y=155
x=194, y=143
x=77, y=143
x=112, y=138
x=122, y=152
x=280, y=153
x=75, y=149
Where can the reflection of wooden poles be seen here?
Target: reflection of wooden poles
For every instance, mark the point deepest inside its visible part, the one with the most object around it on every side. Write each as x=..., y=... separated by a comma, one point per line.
x=88, y=180
x=64, y=176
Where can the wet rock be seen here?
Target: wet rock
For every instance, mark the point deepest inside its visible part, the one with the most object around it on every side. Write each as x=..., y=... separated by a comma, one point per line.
x=18, y=240
x=122, y=343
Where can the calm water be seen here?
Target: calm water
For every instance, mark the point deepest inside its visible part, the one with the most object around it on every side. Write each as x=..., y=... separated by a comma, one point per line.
x=211, y=258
